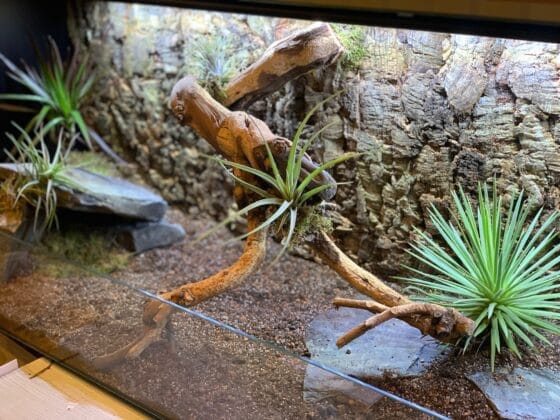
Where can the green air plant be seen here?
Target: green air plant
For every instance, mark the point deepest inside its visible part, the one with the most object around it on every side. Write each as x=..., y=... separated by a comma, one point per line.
x=286, y=194
x=215, y=62
x=60, y=89
x=497, y=270
x=42, y=170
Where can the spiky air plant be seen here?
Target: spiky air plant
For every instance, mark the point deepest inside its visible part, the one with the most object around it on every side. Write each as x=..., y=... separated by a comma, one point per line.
x=60, y=89
x=287, y=193
x=41, y=171
x=215, y=61
x=495, y=270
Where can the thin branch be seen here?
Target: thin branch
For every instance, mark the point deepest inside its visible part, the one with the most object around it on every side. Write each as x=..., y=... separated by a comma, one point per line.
x=436, y=312
x=368, y=305
x=449, y=328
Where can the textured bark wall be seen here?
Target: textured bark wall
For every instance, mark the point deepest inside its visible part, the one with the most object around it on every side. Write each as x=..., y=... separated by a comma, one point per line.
x=430, y=112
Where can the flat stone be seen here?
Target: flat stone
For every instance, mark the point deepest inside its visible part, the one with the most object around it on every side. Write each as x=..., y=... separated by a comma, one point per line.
x=96, y=193
x=523, y=393
x=319, y=385
x=393, y=348
x=140, y=237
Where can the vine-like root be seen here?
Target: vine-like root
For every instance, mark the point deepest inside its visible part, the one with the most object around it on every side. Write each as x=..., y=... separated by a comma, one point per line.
x=156, y=313
x=444, y=320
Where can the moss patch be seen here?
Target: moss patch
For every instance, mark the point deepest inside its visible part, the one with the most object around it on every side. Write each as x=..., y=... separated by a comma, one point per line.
x=312, y=221
x=93, y=162
x=92, y=250
x=354, y=40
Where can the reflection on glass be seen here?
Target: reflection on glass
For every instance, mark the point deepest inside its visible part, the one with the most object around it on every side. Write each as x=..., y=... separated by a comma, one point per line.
x=200, y=368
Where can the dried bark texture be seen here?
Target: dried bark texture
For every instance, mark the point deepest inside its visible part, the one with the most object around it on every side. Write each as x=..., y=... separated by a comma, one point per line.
x=304, y=50
x=446, y=319
x=429, y=111
x=445, y=324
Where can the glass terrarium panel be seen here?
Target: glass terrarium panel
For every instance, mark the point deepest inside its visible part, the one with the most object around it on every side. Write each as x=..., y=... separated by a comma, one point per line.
x=420, y=115
x=198, y=368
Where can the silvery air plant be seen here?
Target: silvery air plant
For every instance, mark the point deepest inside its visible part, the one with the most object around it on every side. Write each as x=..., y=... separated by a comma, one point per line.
x=499, y=269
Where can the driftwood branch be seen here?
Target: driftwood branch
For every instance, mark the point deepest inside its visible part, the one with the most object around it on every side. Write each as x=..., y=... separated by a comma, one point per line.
x=368, y=305
x=445, y=317
x=305, y=50
x=442, y=323
x=236, y=135
x=241, y=138
x=156, y=313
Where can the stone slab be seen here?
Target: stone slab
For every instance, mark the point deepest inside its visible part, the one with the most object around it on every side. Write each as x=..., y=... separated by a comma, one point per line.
x=140, y=237
x=393, y=348
x=95, y=193
x=522, y=393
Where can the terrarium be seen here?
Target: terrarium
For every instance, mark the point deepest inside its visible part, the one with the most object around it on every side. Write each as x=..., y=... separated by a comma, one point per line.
x=238, y=210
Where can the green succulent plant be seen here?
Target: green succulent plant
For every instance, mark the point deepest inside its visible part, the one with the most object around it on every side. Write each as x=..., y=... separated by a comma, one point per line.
x=60, y=88
x=287, y=193
x=41, y=171
x=500, y=271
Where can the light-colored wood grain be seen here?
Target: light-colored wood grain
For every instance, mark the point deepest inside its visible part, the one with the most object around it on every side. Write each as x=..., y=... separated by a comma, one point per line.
x=288, y=58
x=40, y=390
x=10, y=350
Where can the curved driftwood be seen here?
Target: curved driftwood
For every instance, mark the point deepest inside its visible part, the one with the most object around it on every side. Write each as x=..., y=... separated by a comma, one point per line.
x=442, y=323
x=241, y=138
x=236, y=135
x=286, y=59
x=156, y=313
x=449, y=322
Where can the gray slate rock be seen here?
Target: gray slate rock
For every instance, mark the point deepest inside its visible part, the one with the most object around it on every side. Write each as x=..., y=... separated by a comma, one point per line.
x=94, y=193
x=522, y=394
x=393, y=348
x=319, y=385
x=140, y=237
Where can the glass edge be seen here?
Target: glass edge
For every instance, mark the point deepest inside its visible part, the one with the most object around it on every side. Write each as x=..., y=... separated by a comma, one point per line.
x=236, y=331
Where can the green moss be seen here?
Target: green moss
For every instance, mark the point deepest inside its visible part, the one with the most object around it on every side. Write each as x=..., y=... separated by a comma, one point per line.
x=354, y=40
x=91, y=250
x=93, y=161
x=313, y=221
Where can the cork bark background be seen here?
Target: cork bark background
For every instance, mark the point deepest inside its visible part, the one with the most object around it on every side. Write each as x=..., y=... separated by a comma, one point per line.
x=429, y=112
